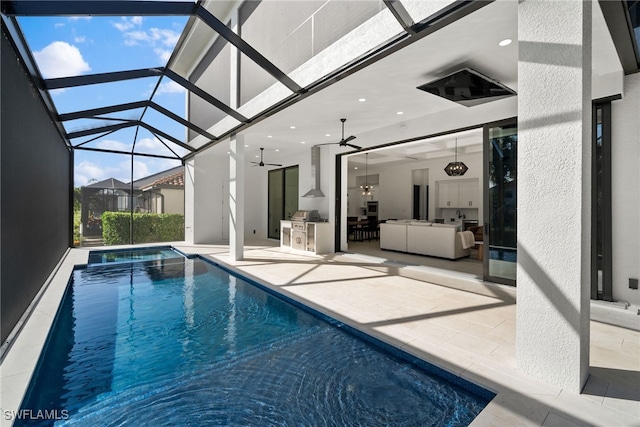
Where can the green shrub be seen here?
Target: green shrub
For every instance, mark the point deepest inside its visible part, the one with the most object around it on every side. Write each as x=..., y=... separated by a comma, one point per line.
x=76, y=226
x=147, y=228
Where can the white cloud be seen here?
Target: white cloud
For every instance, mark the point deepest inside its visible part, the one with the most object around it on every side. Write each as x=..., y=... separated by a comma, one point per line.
x=86, y=171
x=140, y=169
x=148, y=143
x=125, y=24
x=80, y=39
x=109, y=144
x=162, y=40
x=170, y=87
x=163, y=54
x=60, y=59
x=58, y=25
x=77, y=18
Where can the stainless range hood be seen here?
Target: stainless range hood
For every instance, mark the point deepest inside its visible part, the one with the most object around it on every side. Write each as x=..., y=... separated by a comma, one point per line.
x=315, y=174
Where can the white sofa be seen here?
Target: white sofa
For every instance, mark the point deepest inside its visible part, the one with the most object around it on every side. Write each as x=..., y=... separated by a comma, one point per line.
x=423, y=238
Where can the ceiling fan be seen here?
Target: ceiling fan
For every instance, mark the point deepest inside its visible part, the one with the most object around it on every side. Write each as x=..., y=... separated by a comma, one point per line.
x=262, y=163
x=344, y=142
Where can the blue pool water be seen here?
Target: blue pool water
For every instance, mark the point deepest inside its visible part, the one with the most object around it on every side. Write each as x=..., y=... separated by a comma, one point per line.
x=177, y=341
x=132, y=255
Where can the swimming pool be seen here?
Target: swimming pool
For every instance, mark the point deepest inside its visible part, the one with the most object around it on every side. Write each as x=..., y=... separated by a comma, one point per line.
x=173, y=341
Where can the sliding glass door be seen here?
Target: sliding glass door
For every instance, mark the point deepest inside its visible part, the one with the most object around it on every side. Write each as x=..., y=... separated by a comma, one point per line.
x=500, y=206
x=283, y=198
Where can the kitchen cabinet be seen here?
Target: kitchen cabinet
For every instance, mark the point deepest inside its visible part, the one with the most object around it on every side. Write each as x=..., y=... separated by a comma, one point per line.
x=319, y=237
x=285, y=233
x=315, y=237
x=458, y=194
x=448, y=194
x=468, y=196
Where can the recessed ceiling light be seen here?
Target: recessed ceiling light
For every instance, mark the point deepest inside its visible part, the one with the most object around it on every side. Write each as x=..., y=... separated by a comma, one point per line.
x=400, y=113
x=228, y=152
x=356, y=167
x=246, y=145
x=505, y=42
x=277, y=149
x=269, y=136
x=362, y=99
x=292, y=127
x=302, y=142
x=327, y=134
x=257, y=157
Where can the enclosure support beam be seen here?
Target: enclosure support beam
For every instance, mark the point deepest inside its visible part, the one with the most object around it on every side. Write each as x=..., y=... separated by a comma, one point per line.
x=236, y=197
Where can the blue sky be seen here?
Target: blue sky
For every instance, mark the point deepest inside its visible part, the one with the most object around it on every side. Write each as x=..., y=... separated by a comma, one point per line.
x=65, y=47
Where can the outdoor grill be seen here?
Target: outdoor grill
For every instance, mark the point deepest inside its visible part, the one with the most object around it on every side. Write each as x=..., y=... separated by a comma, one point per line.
x=300, y=236
x=306, y=216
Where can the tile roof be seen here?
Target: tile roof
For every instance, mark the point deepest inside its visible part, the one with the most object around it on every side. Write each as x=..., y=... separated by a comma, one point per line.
x=173, y=180
x=152, y=180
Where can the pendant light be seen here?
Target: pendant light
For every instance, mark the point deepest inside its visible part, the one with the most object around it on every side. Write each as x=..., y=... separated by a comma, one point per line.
x=366, y=188
x=456, y=168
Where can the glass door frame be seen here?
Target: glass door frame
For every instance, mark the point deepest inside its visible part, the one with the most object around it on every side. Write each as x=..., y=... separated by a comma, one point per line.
x=283, y=191
x=486, y=199
x=601, y=216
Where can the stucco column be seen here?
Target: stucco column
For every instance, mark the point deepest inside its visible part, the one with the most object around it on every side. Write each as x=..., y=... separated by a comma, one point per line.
x=236, y=197
x=189, y=200
x=554, y=186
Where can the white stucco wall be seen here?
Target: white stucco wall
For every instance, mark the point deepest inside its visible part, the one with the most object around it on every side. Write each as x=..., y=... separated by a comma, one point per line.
x=554, y=188
x=625, y=181
x=206, y=196
x=189, y=200
x=207, y=186
x=324, y=205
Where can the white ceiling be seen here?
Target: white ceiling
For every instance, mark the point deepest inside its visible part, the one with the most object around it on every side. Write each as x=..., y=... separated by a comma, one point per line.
x=389, y=86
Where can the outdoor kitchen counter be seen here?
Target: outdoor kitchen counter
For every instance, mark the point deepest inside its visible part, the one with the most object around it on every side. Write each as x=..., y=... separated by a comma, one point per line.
x=316, y=237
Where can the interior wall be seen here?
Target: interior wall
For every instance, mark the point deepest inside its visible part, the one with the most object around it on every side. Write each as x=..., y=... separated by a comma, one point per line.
x=625, y=198
x=35, y=184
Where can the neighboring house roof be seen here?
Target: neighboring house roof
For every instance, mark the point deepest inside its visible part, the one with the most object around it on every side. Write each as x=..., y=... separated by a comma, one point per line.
x=110, y=183
x=175, y=180
x=152, y=180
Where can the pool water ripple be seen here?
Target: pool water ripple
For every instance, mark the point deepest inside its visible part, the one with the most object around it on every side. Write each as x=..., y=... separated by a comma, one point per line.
x=199, y=347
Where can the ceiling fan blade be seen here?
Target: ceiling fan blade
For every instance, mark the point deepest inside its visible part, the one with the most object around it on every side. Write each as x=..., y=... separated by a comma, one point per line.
x=351, y=138
x=256, y=163
x=272, y=164
x=327, y=143
x=357, y=147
